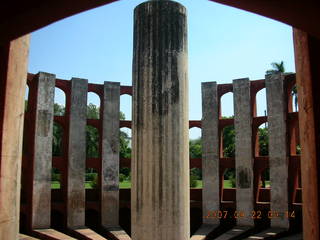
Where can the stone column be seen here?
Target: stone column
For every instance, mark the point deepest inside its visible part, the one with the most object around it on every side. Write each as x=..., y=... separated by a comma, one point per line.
x=13, y=77
x=160, y=161
x=243, y=150
x=278, y=155
x=42, y=162
x=77, y=153
x=110, y=155
x=210, y=151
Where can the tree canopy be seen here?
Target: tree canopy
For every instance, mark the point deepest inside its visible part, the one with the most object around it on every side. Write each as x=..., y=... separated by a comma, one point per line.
x=276, y=68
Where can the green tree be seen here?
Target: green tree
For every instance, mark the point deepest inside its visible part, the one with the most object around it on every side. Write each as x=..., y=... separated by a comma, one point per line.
x=195, y=151
x=195, y=148
x=228, y=141
x=93, y=111
x=230, y=174
x=57, y=140
x=125, y=150
x=58, y=110
x=276, y=68
x=92, y=138
x=263, y=141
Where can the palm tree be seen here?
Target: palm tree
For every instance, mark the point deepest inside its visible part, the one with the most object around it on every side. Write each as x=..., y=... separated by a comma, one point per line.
x=277, y=68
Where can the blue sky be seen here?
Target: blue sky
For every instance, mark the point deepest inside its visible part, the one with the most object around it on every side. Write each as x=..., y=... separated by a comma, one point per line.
x=224, y=44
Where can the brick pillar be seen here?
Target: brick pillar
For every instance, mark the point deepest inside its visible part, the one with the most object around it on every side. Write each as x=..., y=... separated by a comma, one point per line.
x=42, y=161
x=13, y=76
x=278, y=155
x=77, y=153
x=243, y=150
x=307, y=52
x=110, y=155
x=210, y=151
x=160, y=161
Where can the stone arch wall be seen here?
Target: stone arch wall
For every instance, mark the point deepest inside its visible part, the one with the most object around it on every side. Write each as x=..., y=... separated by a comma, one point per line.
x=109, y=93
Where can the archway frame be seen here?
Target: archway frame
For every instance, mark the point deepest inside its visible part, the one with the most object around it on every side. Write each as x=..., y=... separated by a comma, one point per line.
x=16, y=21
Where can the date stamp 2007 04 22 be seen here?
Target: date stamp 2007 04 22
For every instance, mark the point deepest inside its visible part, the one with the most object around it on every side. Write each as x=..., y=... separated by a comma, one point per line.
x=253, y=214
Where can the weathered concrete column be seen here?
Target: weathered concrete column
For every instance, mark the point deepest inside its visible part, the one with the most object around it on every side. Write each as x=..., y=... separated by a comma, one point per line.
x=243, y=150
x=160, y=160
x=278, y=159
x=210, y=151
x=77, y=153
x=13, y=77
x=110, y=155
x=42, y=162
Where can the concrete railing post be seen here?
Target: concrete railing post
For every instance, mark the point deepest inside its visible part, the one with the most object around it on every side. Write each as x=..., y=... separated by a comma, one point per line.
x=77, y=153
x=243, y=151
x=278, y=154
x=160, y=161
x=42, y=162
x=110, y=156
x=210, y=152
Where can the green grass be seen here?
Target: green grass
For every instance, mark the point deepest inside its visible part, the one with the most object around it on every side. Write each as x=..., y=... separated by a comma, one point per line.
x=226, y=184
x=56, y=185
x=124, y=184
x=268, y=184
x=127, y=184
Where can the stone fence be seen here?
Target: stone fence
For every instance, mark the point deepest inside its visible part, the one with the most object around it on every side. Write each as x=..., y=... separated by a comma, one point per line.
x=73, y=206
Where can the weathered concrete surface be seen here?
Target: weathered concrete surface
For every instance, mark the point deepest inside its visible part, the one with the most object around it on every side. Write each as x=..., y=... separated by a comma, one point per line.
x=243, y=150
x=203, y=231
x=51, y=234
x=42, y=165
x=88, y=234
x=278, y=158
x=210, y=151
x=110, y=155
x=118, y=233
x=25, y=237
x=233, y=233
x=160, y=160
x=266, y=234
x=77, y=153
x=13, y=74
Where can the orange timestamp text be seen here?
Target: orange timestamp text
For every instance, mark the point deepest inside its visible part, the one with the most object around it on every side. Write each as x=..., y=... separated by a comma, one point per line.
x=219, y=214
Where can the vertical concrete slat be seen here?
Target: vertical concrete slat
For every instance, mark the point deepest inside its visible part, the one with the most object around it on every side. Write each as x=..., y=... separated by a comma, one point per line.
x=77, y=153
x=110, y=155
x=13, y=76
x=42, y=165
x=210, y=152
x=278, y=156
x=160, y=161
x=243, y=150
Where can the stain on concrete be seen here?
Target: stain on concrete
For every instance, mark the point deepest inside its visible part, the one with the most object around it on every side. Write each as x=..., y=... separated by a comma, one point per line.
x=44, y=122
x=244, y=177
